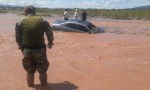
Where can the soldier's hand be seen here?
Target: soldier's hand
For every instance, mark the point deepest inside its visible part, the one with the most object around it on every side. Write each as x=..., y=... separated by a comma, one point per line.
x=20, y=48
x=49, y=46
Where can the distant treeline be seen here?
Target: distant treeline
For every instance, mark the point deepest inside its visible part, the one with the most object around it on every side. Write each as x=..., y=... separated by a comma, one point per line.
x=121, y=14
x=126, y=14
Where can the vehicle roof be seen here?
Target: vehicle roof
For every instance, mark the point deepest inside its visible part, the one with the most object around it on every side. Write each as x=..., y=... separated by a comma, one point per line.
x=73, y=21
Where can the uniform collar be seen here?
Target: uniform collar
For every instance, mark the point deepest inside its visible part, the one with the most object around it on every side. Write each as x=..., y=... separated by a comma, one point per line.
x=30, y=15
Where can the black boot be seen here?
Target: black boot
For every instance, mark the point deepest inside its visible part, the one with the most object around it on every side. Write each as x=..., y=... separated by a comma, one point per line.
x=43, y=79
x=30, y=79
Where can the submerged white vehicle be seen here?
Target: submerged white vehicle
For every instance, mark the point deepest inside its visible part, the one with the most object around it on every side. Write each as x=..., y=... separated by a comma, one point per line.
x=75, y=25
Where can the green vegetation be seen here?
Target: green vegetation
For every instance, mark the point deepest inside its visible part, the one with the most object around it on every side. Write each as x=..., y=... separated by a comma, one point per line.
x=105, y=13
x=114, y=14
x=121, y=14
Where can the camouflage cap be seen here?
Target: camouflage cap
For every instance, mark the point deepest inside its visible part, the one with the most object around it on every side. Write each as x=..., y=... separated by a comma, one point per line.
x=30, y=9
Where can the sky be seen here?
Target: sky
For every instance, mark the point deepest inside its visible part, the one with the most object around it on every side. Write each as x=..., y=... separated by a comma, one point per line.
x=98, y=4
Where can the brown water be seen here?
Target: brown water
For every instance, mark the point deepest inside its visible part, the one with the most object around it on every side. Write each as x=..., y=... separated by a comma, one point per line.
x=116, y=60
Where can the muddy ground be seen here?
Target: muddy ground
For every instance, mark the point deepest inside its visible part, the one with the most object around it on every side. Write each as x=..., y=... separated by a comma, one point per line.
x=118, y=59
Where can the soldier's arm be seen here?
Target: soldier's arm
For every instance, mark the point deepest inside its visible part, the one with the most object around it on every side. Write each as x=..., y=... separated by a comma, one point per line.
x=18, y=35
x=49, y=34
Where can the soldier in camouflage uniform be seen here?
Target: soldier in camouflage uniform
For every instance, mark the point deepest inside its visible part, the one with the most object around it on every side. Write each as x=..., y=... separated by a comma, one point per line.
x=30, y=39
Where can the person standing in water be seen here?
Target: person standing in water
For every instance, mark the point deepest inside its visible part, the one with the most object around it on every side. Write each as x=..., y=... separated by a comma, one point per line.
x=76, y=14
x=84, y=15
x=29, y=33
x=66, y=14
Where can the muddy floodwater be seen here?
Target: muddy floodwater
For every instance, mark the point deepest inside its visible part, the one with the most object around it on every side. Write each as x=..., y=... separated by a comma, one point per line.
x=118, y=59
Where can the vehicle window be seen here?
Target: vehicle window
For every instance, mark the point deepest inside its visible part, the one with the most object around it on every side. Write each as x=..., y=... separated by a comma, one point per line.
x=71, y=25
x=78, y=27
x=91, y=26
x=82, y=28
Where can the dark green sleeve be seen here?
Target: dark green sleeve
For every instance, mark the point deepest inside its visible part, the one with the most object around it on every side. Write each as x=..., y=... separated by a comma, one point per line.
x=49, y=32
x=18, y=34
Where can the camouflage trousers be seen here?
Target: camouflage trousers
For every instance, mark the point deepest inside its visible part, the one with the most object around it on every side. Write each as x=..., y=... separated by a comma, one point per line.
x=35, y=59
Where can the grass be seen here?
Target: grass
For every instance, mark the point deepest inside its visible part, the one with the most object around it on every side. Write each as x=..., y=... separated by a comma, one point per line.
x=113, y=13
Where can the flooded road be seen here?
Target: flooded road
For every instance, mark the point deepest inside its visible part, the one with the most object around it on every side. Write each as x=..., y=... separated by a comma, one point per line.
x=116, y=60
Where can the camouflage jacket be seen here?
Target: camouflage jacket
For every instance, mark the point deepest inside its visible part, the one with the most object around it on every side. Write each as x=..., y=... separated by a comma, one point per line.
x=28, y=31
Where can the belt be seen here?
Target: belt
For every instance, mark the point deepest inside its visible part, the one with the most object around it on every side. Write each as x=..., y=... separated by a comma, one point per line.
x=34, y=46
